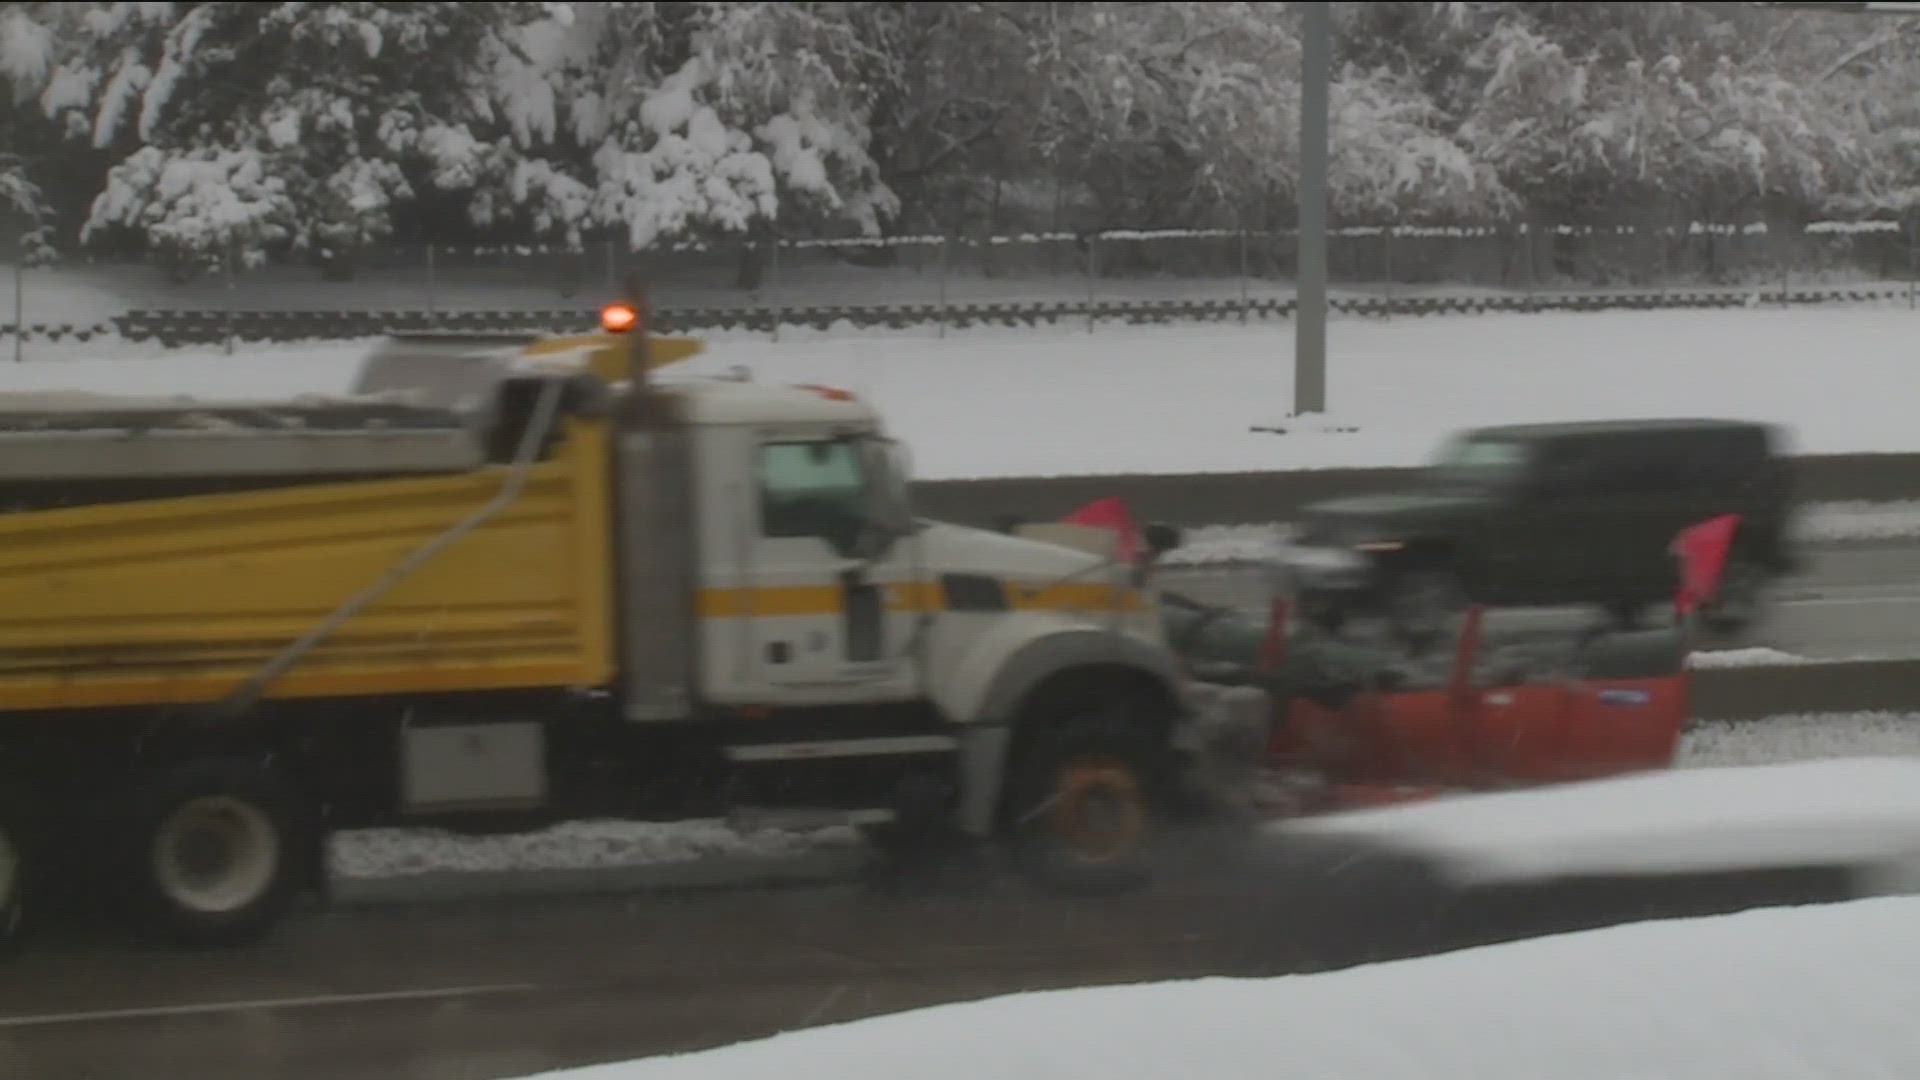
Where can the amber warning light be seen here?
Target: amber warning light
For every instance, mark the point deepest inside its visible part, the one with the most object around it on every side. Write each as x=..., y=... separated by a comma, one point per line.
x=618, y=318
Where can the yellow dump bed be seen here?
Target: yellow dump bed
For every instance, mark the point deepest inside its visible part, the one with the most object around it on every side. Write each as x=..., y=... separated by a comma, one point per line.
x=182, y=599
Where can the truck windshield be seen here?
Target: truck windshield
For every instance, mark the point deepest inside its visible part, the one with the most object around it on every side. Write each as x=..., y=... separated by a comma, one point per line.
x=813, y=488
x=1469, y=461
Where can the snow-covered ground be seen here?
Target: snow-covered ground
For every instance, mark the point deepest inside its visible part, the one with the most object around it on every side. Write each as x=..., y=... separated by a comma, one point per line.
x=1822, y=992
x=1855, y=811
x=1059, y=401
x=1779, y=740
x=576, y=845
x=1753, y=656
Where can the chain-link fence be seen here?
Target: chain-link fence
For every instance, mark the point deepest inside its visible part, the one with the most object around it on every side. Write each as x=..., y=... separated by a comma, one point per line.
x=431, y=283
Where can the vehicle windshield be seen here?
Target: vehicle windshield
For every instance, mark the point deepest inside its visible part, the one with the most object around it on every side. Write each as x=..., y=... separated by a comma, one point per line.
x=1470, y=461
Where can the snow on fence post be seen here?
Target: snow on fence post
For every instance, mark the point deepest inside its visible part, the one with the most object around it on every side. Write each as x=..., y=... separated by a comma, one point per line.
x=610, y=261
x=233, y=244
x=20, y=306
x=1386, y=271
x=1913, y=257
x=433, y=305
x=1093, y=275
x=1246, y=281
x=1782, y=258
x=940, y=270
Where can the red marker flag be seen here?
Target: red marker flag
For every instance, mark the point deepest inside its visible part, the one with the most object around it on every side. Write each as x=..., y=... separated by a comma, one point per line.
x=1702, y=551
x=1110, y=514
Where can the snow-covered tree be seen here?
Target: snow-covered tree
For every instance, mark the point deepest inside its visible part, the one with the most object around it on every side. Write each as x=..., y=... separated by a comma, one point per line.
x=1624, y=104
x=1869, y=80
x=208, y=131
x=253, y=126
x=1168, y=109
x=672, y=120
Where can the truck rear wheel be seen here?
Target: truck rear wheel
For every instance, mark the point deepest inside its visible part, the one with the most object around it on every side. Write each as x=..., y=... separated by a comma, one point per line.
x=13, y=874
x=214, y=856
x=1082, y=814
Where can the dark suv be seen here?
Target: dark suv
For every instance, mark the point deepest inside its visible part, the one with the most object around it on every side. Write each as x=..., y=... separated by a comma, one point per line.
x=1560, y=514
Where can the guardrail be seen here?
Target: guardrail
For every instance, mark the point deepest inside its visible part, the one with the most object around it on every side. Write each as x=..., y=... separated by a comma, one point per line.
x=1756, y=693
x=177, y=328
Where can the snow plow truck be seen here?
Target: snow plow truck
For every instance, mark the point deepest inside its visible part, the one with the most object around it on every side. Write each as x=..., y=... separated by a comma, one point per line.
x=513, y=580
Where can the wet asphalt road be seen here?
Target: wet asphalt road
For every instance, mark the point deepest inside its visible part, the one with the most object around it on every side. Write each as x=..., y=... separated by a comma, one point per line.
x=477, y=990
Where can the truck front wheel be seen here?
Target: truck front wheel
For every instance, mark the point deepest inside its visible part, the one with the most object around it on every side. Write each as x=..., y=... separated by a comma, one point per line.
x=1082, y=812
x=213, y=857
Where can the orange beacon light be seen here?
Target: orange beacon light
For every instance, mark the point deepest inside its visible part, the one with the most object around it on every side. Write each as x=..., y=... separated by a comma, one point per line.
x=618, y=318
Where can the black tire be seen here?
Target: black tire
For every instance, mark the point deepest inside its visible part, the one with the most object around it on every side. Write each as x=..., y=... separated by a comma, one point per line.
x=237, y=820
x=1740, y=602
x=15, y=868
x=1084, y=798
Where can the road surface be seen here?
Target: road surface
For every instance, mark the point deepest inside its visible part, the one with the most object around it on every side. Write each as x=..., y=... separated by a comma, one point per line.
x=478, y=990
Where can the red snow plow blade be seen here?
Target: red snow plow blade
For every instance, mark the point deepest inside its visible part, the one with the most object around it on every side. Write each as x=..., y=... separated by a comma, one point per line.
x=1615, y=704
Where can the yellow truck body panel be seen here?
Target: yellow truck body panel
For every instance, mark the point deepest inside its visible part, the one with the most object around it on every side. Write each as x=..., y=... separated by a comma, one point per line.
x=180, y=600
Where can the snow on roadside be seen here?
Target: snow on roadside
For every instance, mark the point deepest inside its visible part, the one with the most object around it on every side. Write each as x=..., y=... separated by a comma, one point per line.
x=574, y=845
x=1842, y=522
x=1853, y=811
x=1821, y=992
x=1757, y=656
x=1777, y=740
x=253, y=372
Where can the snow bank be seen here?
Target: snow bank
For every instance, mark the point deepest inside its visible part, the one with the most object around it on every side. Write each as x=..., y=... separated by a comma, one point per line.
x=1839, y=812
x=1823, y=992
x=576, y=845
x=256, y=373
x=1757, y=656
x=1838, y=522
x=1777, y=740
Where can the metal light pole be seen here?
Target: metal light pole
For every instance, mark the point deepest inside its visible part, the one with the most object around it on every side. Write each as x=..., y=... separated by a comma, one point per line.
x=1310, y=313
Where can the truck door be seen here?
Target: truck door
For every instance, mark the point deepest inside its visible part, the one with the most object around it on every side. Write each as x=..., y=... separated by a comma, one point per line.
x=833, y=611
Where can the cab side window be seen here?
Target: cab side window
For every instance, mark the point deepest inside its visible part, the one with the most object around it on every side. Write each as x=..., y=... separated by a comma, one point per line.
x=812, y=489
